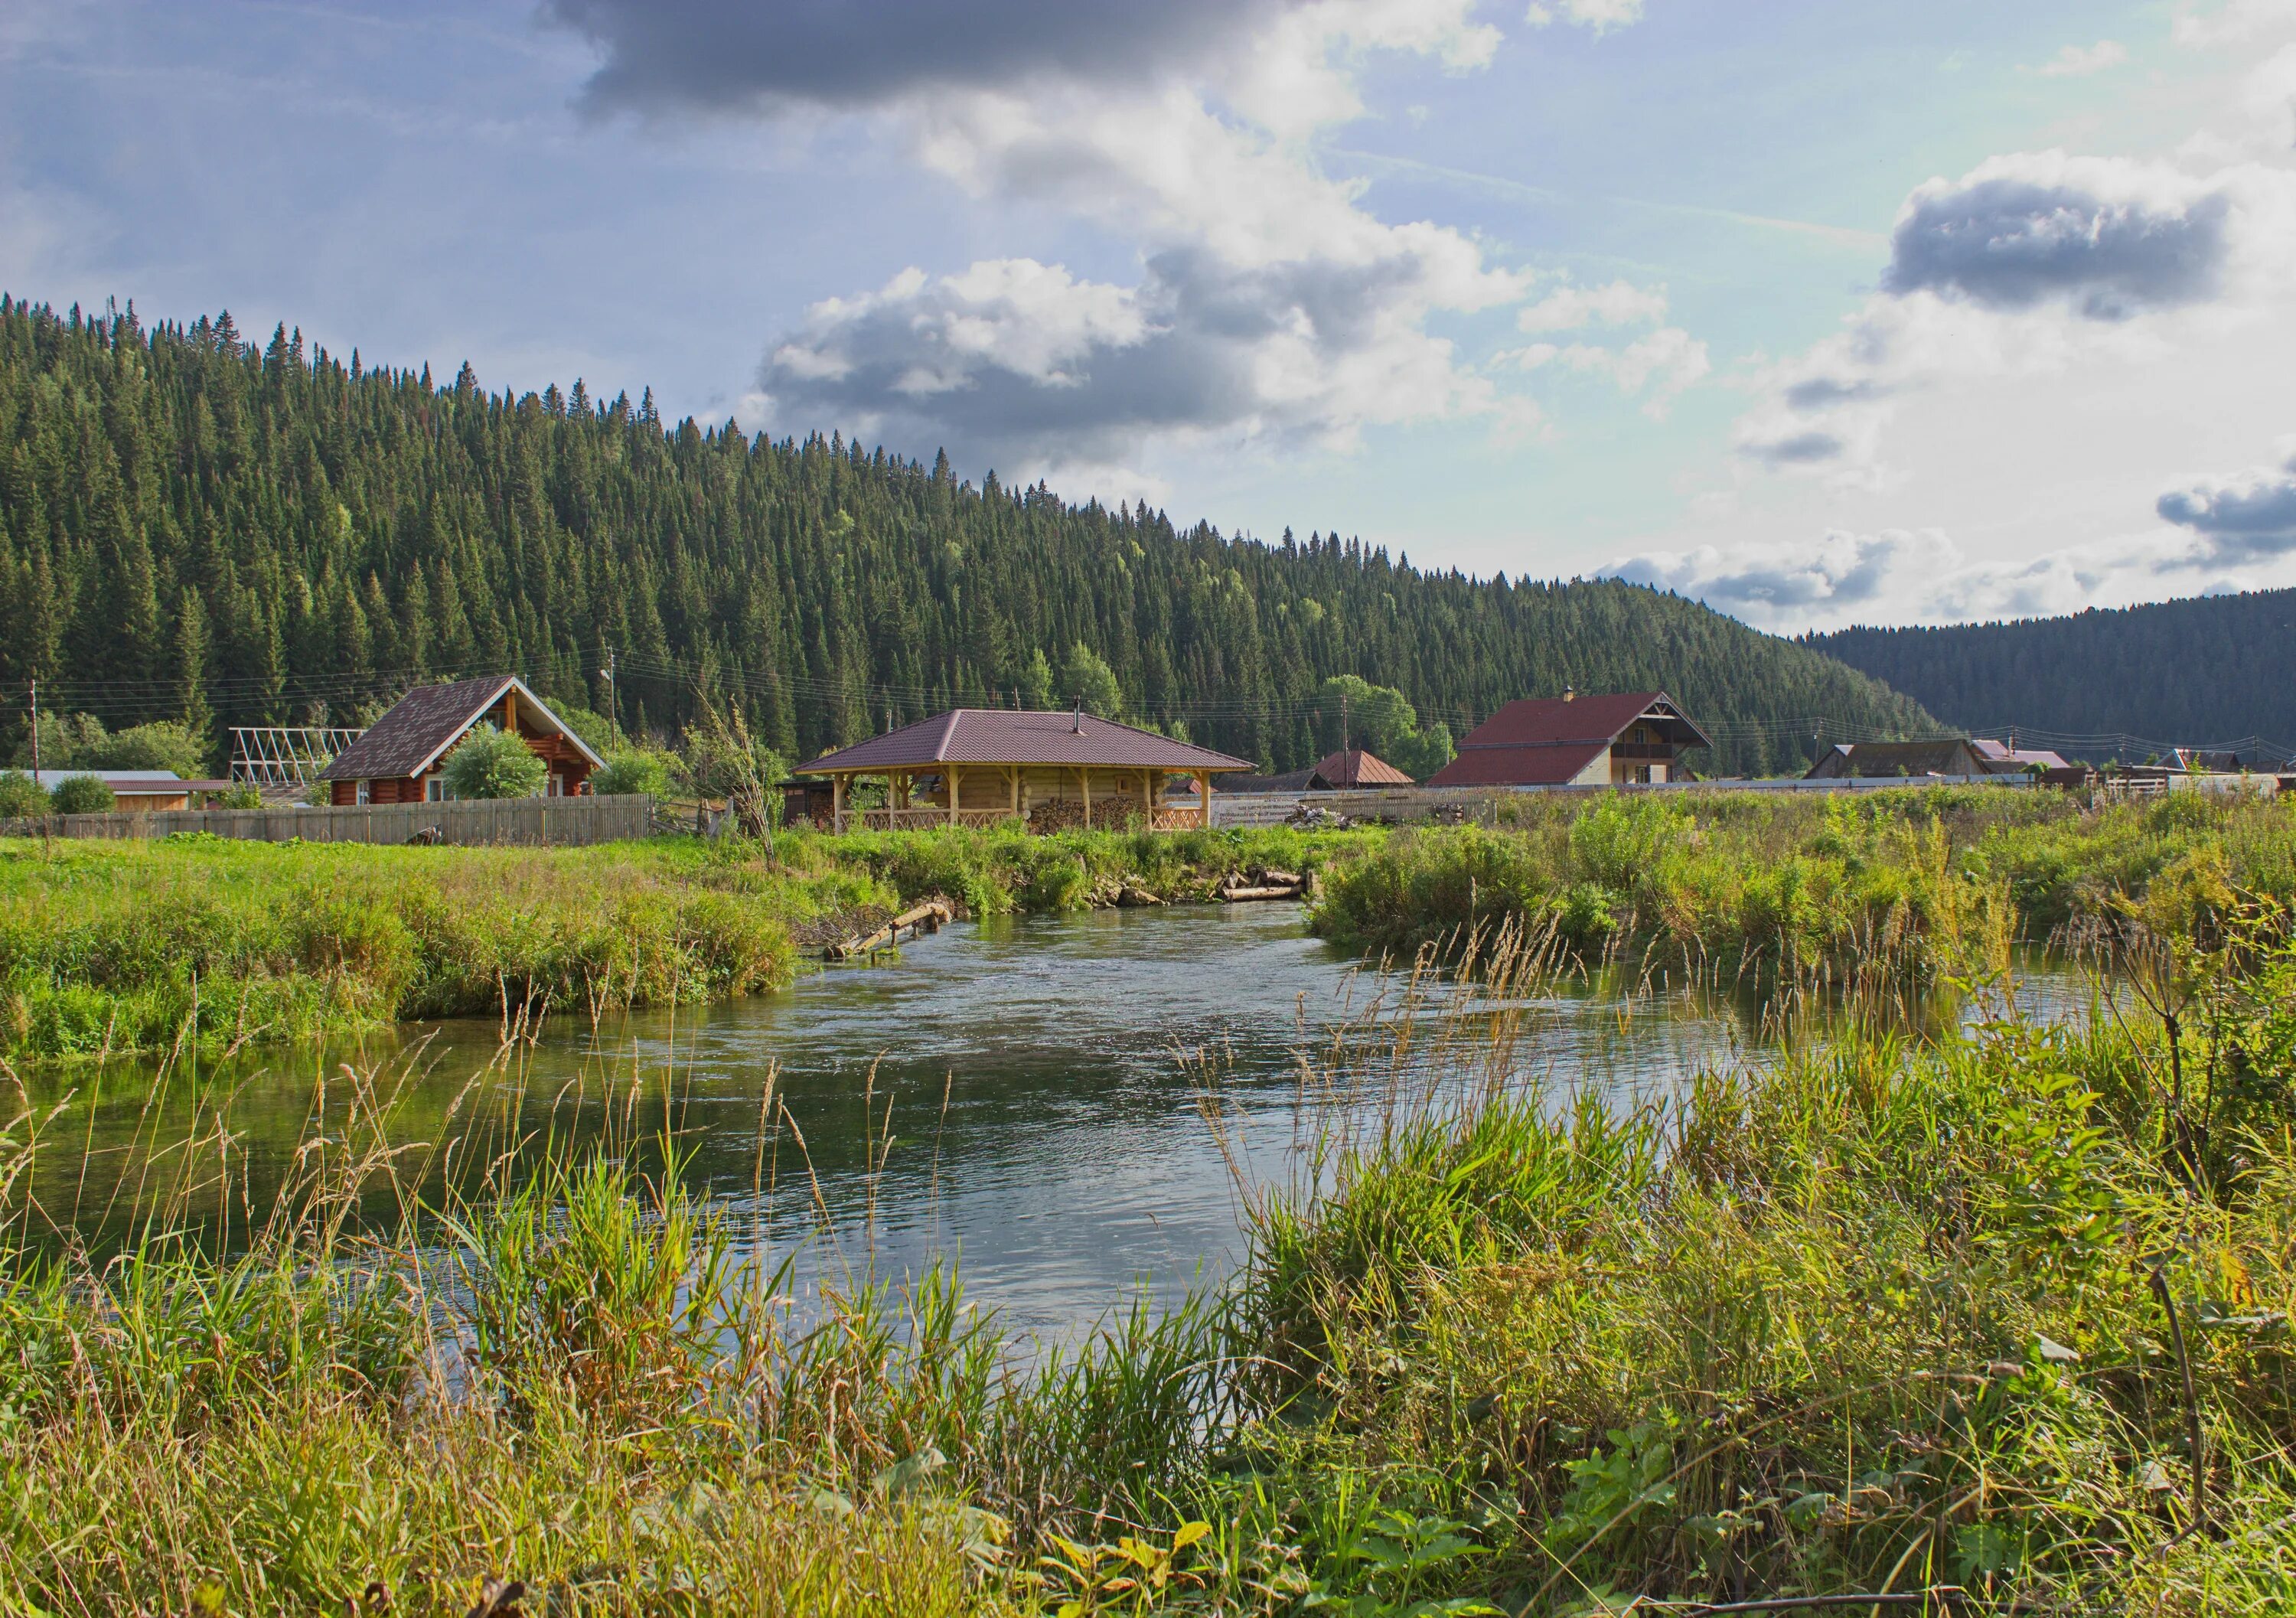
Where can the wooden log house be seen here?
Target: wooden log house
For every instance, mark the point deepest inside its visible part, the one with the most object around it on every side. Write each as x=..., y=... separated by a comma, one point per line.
x=398, y=758
x=979, y=766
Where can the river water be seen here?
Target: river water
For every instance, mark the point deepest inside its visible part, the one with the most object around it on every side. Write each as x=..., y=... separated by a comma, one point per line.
x=1025, y=1095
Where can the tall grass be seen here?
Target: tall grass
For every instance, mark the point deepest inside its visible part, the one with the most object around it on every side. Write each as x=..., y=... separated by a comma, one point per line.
x=1994, y=1321
x=1767, y=889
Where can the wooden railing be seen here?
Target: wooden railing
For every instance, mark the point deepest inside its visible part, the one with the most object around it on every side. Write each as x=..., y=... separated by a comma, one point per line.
x=1179, y=818
x=923, y=819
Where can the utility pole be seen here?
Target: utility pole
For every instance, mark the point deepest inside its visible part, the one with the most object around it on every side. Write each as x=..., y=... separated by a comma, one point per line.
x=36, y=725
x=613, y=703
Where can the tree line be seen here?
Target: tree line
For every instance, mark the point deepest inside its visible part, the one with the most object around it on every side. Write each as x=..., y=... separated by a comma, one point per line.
x=200, y=529
x=2213, y=670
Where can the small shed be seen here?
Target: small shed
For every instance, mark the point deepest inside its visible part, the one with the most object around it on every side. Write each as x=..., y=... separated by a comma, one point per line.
x=2005, y=759
x=978, y=766
x=1345, y=771
x=139, y=792
x=397, y=759
x=1601, y=739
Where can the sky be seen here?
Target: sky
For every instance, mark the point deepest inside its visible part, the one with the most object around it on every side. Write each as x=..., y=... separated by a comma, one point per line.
x=1889, y=312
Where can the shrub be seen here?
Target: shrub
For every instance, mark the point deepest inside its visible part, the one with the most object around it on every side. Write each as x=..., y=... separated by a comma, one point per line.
x=82, y=795
x=646, y=770
x=21, y=795
x=163, y=744
x=242, y=796
x=495, y=764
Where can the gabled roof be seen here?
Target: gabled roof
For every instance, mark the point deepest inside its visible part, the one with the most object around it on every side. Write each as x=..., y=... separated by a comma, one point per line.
x=1874, y=760
x=1358, y=766
x=2000, y=756
x=428, y=720
x=1547, y=741
x=1003, y=735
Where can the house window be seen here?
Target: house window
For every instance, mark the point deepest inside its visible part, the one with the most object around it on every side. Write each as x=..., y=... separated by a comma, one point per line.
x=557, y=788
x=365, y=787
x=434, y=790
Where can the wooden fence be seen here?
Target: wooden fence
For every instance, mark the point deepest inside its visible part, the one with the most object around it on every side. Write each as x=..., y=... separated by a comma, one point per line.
x=551, y=822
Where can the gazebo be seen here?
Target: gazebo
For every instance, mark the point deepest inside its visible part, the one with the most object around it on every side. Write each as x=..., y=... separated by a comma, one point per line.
x=978, y=766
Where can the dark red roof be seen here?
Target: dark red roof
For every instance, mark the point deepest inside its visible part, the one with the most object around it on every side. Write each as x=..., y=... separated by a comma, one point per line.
x=1003, y=736
x=427, y=719
x=1359, y=767
x=1547, y=741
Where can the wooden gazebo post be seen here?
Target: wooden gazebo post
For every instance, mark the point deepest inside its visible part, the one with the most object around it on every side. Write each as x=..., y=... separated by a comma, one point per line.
x=1204, y=799
x=837, y=801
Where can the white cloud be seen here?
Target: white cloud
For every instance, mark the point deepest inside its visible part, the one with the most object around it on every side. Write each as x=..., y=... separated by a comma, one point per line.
x=2032, y=263
x=2231, y=21
x=2079, y=61
x=1568, y=308
x=1270, y=306
x=1600, y=15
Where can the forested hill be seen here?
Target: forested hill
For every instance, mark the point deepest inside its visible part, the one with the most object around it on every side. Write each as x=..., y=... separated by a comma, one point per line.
x=2221, y=669
x=193, y=525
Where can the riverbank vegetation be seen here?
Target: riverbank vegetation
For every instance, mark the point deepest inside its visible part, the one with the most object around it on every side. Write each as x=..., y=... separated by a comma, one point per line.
x=140, y=947
x=1768, y=887
x=1996, y=1323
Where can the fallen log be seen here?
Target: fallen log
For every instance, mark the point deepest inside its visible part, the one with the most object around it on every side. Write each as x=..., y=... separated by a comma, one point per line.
x=927, y=918
x=1237, y=896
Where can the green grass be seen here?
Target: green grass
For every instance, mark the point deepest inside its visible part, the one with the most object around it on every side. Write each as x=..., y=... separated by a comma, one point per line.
x=1772, y=888
x=137, y=947
x=1877, y=1314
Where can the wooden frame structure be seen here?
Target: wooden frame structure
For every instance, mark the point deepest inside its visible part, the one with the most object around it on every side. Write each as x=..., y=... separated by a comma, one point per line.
x=980, y=767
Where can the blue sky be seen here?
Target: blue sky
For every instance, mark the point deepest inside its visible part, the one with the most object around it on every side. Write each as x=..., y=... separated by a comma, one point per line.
x=1823, y=314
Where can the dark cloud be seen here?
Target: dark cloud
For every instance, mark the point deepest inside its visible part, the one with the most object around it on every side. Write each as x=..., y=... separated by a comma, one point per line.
x=1798, y=449
x=2009, y=242
x=2241, y=520
x=1838, y=570
x=1820, y=391
x=1015, y=366
x=735, y=55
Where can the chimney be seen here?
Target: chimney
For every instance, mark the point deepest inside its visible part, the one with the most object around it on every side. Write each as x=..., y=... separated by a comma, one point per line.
x=1569, y=695
x=1076, y=726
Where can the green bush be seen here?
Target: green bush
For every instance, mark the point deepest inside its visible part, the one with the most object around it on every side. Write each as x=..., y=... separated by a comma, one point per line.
x=82, y=795
x=242, y=796
x=20, y=796
x=637, y=770
x=495, y=764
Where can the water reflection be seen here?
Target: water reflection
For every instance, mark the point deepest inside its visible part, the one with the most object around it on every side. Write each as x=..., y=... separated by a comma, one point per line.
x=1024, y=1093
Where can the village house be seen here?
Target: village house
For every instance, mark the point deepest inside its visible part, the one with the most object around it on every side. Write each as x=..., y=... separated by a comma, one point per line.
x=398, y=758
x=978, y=766
x=1945, y=756
x=1611, y=739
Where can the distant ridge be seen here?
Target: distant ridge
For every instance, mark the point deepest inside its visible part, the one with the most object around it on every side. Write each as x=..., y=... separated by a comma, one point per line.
x=2217, y=670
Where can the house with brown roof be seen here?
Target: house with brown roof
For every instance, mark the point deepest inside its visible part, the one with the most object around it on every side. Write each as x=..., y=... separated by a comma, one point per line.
x=978, y=766
x=1347, y=771
x=397, y=759
x=1604, y=739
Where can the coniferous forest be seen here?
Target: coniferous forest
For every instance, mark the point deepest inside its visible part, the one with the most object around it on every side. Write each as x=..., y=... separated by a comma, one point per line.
x=197, y=527
x=2219, y=670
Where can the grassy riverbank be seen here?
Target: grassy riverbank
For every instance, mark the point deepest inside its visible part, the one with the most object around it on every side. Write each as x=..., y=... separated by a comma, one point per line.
x=1770, y=889
x=139, y=947
x=2006, y=1315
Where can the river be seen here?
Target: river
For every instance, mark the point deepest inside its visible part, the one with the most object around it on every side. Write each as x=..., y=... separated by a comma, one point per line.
x=1024, y=1094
